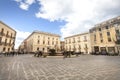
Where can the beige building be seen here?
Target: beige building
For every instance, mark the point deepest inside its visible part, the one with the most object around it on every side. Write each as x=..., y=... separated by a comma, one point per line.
x=78, y=43
x=41, y=41
x=23, y=47
x=7, y=38
x=105, y=37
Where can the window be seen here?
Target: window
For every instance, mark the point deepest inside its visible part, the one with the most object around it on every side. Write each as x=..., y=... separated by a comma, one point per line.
x=11, y=35
x=43, y=42
x=99, y=29
x=100, y=35
x=70, y=48
x=74, y=48
x=7, y=33
x=106, y=27
x=109, y=39
x=73, y=40
x=38, y=41
x=12, y=48
x=13, y=43
x=101, y=40
x=108, y=33
x=85, y=38
x=2, y=31
x=69, y=41
x=94, y=37
x=10, y=42
x=0, y=39
x=8, y=49
x=43, y=49
x=79, y=47
x=48, y=38
x=86, y=46
x=117, y=31
x=38, y=36
x=78, y=39
x=48, y=43
x=4, y=49
x=37, y=48
x=5, y=41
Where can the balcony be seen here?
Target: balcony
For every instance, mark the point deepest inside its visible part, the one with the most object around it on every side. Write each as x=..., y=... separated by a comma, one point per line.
x=2, y=34
x=73, y=42
x=10, y=44
x=117, y=42
x=13, y=43
x=13, y=37
x=5, y=44
x=2, y=43
x=8, y=36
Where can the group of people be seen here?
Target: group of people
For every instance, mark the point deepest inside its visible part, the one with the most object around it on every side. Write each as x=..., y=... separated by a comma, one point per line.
x=38, y=53
x=66, y=54
x=11, y=53
x=69, y=53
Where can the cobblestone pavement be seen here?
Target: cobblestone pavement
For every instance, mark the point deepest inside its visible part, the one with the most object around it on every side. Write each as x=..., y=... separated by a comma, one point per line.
x=84, y=67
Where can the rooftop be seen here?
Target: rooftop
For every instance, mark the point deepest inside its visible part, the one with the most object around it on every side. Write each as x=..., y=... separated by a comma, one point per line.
x=76, y=35
x=7, y=26
x=46, y=33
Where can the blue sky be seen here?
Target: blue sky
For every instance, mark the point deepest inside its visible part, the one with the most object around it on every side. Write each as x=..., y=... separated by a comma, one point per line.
x=23, y=20
x=26, y=21
x=65, y=18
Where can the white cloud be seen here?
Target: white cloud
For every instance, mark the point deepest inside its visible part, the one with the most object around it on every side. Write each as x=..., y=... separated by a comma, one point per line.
x=79, y=15
x=21, y=35
x=25, y=4
x=18, y=0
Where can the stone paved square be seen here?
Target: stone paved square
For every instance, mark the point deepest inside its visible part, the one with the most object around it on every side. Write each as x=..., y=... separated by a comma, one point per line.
x=84, y=67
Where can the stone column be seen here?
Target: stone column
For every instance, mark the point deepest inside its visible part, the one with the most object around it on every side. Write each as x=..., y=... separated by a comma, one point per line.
x=116, y=49
x=106, y=49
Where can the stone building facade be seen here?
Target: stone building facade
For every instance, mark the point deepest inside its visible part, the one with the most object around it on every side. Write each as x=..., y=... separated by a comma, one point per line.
x=78, y=43
x=41, y=41
x=7, y=38
x=105, y=37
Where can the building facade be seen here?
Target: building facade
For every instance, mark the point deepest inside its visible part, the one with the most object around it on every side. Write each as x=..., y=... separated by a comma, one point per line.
x=105, y=37
x=7, y=38
x=78, y=43
x=41, y=41
x=23, y=47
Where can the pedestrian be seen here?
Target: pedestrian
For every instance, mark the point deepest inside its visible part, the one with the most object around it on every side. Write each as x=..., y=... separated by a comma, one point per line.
x=35, y=54
x=39, y=53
